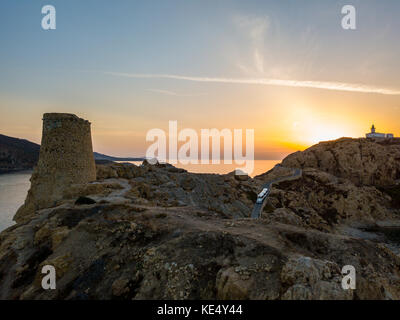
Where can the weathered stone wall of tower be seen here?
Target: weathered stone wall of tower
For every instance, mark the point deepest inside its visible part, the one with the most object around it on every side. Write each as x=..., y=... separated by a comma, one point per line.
x=66, y=158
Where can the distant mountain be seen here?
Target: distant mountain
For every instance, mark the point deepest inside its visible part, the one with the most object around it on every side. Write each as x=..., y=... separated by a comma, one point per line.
x=17, y=154
x=100, y=156
x=20, y=154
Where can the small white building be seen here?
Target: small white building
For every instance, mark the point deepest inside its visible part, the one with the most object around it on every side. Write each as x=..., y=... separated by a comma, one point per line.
x=374, y=134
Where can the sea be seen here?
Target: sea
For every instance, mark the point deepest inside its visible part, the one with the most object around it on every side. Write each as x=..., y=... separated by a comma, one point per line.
x=13, y=190
x=14, y=186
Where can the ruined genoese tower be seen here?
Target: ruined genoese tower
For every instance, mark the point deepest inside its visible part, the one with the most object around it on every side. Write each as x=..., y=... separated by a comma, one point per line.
x=66, y=158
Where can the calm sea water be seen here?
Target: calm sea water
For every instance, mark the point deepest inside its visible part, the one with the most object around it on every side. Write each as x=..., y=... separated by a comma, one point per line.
x=14, y=186
x=13, y=190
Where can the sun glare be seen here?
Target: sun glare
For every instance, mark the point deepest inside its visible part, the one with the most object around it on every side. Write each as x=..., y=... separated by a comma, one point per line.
x=310, y=127
x=324, y=133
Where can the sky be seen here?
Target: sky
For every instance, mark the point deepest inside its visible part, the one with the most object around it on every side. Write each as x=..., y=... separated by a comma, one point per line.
x=286, y=69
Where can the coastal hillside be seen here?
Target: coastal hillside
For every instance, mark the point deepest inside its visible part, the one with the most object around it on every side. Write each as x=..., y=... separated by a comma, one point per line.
x=159, y=232
x=17, y=154
x=103, y=157
x=20, y=154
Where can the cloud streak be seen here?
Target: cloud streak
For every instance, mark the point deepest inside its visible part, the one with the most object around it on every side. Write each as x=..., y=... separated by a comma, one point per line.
x=338, y=86
x=172, y=93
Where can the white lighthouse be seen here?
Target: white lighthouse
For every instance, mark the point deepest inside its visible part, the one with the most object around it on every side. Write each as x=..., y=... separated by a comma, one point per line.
x=374, y=134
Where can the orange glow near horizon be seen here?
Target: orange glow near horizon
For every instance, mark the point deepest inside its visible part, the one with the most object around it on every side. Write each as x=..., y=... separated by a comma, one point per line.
x=281, y=126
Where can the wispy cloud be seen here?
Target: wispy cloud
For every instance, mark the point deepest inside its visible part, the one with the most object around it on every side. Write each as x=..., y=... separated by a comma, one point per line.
x=172, y=93
x=255, y=29
x=339, y=86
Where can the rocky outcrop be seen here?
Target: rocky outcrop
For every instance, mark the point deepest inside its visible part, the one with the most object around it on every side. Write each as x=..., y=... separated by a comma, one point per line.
x=363, y=161
x=17, y=154
x=160, y=232
x=115, y=249
x=322, y=201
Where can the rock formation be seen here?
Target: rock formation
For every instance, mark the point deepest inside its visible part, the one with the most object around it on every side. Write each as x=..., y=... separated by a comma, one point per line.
x=362, y=161
x=159, y=232
x=66, y=158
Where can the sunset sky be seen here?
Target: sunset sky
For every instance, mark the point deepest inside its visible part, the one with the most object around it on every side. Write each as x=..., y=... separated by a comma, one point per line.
x=286, y=69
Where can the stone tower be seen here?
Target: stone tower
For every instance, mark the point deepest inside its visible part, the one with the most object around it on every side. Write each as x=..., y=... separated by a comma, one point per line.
x=66, y=158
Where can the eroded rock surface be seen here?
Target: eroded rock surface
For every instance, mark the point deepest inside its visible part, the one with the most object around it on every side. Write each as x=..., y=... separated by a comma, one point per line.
x=362, y=161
